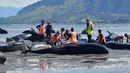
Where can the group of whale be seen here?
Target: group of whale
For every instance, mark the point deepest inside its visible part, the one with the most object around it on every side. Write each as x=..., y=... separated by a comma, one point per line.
x=27, y=42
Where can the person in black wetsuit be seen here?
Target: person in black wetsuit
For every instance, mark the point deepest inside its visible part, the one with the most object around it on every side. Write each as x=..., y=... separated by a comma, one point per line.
x=67, y=35
x=48, y=29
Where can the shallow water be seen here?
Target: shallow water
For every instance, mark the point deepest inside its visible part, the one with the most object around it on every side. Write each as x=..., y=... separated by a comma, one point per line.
x=116, y=61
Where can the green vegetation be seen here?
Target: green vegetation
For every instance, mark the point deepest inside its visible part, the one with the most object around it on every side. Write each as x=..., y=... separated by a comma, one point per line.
x=73, y=11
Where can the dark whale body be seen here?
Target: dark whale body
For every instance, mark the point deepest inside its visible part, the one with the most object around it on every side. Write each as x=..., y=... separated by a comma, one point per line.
x=2, y=31
x=118, y=45
x=74, y=49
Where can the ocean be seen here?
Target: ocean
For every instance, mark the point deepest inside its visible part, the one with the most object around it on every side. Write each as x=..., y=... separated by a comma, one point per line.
x=117, y=61
x=16, y=29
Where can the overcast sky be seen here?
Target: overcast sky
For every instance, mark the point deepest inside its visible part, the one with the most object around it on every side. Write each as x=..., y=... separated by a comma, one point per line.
x=16, y=3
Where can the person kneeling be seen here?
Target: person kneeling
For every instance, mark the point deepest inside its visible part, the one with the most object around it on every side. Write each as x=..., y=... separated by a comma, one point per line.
x=100, y=39
x=73, y=36
x=54, y=39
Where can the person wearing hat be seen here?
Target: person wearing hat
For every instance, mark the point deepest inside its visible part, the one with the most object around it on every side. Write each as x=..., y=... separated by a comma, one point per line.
x=89, y=29
x=48, y=29
x=54, y=39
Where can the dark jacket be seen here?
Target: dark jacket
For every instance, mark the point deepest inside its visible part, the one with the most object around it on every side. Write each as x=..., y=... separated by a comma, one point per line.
x=48, y=28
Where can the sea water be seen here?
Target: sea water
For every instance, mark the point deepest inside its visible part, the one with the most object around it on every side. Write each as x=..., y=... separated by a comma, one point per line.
x=117, y=61
x=16, y=29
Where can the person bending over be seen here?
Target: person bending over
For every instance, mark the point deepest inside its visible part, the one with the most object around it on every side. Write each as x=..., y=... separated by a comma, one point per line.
x=127, y=37
x=100, y=39
x=54, y=39
x=67, y=35
x=61, y=36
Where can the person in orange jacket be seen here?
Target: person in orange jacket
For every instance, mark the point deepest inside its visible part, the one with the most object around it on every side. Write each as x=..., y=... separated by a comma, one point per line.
x=73, y=37
x=41, y=30
x=54, y=39
x=100, y=39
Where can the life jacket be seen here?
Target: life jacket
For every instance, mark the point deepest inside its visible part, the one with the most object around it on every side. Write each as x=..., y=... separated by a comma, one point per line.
x=42, y=29
x=53, y=38
x=102, y=39
x=73, y=38
x=90, y=28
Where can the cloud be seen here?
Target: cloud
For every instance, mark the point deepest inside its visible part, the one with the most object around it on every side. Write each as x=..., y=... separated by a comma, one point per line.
x=16, y=3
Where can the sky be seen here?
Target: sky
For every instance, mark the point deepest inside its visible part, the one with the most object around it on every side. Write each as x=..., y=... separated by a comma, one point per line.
x=16, y=3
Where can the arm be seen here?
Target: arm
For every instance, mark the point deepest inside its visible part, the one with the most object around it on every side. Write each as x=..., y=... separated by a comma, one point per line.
x=127, y=40
x=87, y=25
x=92, y=25
x=59, y=39
x=38, y=26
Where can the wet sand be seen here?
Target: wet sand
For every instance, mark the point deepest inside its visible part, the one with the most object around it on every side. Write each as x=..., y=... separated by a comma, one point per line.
x=117, y=61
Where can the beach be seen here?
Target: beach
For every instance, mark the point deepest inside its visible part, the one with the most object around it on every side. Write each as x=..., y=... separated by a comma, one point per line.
x=117, y=61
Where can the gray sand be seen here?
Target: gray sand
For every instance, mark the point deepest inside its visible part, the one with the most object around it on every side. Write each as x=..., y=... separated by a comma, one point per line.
x=116, y=61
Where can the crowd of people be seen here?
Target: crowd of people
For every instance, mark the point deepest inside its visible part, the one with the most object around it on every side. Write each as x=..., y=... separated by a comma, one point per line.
x=66, y=35
x=59, y=37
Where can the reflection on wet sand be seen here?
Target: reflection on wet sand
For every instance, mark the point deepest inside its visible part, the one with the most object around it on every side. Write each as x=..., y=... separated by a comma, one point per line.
x=51, y=63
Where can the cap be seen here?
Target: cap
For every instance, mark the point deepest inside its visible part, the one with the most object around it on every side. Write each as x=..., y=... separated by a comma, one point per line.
x=88, y=19
x=48, y=22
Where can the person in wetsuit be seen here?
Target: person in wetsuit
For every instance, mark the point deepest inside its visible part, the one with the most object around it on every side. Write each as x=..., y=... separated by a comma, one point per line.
x=48, y=29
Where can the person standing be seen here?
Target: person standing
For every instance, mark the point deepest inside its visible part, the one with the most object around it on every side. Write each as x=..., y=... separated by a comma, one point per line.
x=41, y=29
x=89, y=29
x=48, y=29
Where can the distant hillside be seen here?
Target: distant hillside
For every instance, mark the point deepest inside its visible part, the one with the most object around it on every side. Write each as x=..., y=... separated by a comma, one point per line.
x=73, y=11
x=8, y=11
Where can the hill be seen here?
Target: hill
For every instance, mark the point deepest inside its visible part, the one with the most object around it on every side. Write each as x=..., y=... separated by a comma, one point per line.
x=73, y=11
x=8, y=11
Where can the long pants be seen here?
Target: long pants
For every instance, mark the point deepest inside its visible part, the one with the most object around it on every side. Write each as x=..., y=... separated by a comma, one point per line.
x=48, y=35
x=89, y=38
x=41, y=38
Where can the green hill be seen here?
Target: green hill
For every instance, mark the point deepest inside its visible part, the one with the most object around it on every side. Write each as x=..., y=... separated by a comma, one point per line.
x=73, y=11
